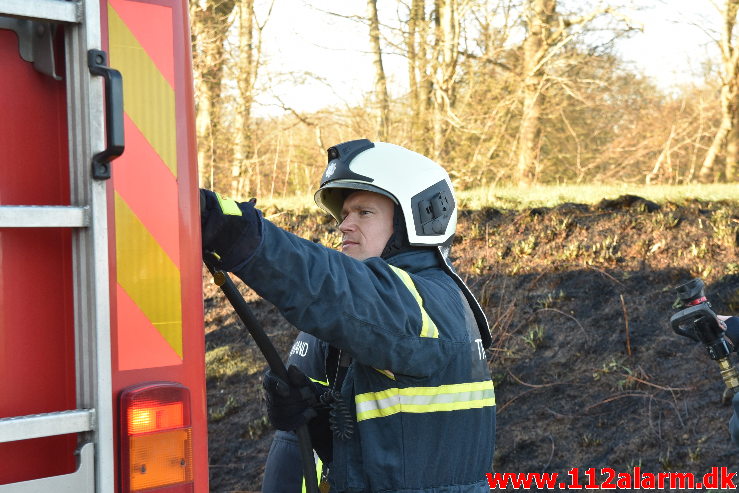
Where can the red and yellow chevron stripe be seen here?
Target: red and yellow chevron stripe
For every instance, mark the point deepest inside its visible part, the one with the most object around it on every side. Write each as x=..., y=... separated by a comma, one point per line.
x=147, y=227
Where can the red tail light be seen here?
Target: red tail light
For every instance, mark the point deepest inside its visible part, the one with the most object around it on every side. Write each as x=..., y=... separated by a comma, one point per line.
x=156, y=438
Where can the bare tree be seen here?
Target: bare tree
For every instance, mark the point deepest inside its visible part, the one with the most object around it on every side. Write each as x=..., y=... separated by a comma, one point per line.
x=419, y=81
x=548, y=33
x=381, y=96
x=540, y=17
x=499, y=90
x=726, y=136
x=210, y=22
x=432, y=49
x=246, y=71
x=447, y=19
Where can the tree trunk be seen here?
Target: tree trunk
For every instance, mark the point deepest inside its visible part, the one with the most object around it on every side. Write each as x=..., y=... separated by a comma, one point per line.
x=732, y=147
x=729, y=100
x=540, y=15
x=547, y=32
x=446, y=56
x=420, y=81
x=719, y=142
x=529, y=133
x=381, y=96
x=414, y=19
x=249, y=54
x=209, y=30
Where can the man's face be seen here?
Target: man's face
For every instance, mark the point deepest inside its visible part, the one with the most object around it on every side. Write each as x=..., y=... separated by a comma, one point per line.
x=367, y=224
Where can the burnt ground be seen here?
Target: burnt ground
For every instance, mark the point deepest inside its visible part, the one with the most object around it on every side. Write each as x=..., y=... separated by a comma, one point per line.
x=586, y=368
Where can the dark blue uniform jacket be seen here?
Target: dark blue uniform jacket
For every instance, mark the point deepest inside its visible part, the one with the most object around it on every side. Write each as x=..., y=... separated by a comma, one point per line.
x=418, y=386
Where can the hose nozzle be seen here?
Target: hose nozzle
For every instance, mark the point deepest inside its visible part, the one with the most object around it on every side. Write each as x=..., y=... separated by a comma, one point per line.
x=729, y=374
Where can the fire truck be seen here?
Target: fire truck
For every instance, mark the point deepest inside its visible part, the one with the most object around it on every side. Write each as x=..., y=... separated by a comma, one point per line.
x=102, y=379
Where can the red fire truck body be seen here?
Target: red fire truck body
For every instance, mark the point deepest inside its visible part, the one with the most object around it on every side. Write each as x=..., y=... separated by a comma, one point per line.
x=102, y=381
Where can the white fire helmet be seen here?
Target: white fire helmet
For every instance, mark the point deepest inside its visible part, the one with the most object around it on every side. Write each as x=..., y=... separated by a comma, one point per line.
x=417, y=184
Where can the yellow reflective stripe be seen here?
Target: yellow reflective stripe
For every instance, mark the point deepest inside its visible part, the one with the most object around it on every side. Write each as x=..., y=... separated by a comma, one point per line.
x=319, y=468
x=375, y=396
x=228, y=206
x=428, y=327
x=318, y=381
x=389, y=410
x=387, y=373
x=443, y=398
x=441, y=389
x=148, y=99
x=148, y=275
x=378, y=413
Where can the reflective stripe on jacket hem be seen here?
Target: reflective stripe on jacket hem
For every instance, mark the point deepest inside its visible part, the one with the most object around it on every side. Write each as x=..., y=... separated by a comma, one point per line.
x=443, y=398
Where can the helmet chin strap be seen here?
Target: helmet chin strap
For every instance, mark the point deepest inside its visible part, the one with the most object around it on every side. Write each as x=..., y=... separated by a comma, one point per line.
x=398, y=241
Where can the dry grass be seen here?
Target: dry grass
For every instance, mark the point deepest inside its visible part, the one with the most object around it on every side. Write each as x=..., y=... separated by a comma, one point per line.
x=544, y=196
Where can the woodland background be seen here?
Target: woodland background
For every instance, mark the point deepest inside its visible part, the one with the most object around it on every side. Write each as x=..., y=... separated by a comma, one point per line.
x=499, y=92
x=579, y=291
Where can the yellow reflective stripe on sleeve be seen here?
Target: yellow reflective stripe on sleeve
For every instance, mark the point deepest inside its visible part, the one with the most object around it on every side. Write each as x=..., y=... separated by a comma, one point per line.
x=318, y=381
x=455, y=397
x=228, y=206
x=428, y=327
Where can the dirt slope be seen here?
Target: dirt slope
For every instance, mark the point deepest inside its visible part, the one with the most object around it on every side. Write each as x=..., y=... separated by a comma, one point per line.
x=587, y=372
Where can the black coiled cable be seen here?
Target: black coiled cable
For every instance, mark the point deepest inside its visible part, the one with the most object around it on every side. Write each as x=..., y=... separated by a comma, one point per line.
x=340, y=416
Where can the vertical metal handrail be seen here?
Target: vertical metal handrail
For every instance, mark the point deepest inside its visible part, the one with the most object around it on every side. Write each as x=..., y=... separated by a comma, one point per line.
x=85, y=117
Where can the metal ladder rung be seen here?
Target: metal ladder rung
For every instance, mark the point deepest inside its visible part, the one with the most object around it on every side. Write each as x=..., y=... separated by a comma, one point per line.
x=43, y=10
x=49, y=216
x=46, y=425
x=76, y=482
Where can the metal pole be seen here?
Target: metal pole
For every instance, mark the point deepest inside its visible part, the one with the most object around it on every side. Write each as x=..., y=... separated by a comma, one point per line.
x=224, y=281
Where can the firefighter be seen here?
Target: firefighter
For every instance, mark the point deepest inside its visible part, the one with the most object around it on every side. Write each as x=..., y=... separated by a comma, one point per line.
x=410, y=406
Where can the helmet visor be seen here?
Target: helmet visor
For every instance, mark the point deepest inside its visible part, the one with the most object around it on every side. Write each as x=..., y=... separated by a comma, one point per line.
x=331, y=196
